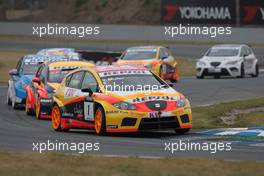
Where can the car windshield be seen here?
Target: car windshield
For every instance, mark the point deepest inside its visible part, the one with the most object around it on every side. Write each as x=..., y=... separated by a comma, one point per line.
x=139, y=54
x=30, y=68
x=125, y=81
x=56, y=74
x=222, y=52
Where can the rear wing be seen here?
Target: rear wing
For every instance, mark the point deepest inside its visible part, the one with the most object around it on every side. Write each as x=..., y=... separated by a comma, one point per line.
x=100, y=57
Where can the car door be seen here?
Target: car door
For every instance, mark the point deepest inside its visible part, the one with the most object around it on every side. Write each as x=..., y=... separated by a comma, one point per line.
x=251, y=60
x=245, y=54
x=89, y=81
x=73, y=97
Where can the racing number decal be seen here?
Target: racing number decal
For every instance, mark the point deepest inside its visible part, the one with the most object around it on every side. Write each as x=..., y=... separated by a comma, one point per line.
x=89, y=111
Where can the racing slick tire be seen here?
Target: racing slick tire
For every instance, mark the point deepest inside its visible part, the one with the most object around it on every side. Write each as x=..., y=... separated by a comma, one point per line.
x=200, y=77
x=56, y=119
x=29, y=111
x=242, y=71
x=174, y=80
x=256, y=71
x=99, y=121
x=8, y=100
x=182, y=131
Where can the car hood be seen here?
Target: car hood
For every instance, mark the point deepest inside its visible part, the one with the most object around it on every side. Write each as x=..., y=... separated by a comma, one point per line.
x=218, y=59
x=54, y=85
x=130, y=96
x=136, y=62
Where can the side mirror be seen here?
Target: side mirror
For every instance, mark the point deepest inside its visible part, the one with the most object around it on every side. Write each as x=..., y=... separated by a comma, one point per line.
x=13, y=72
x=245, y=55
x=165, y=57
x=87, y=90
x=36, y=80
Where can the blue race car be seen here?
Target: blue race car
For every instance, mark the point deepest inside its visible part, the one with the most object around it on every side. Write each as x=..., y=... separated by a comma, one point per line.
x=22, y=75
x=71, y=53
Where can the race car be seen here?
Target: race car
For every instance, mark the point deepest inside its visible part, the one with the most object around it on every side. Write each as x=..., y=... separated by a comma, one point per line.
x=21, y=76
x=119, y=99
x=228, y=60
x=67, y=52
x=158, y=59
x=47, y=79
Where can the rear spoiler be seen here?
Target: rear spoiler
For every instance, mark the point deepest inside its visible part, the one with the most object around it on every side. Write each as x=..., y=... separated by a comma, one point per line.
x=100, y=57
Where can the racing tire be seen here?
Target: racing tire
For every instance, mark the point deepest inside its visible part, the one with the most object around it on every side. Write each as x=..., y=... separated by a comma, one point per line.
x=99, y=121
x=8, y=100
x=174, y=80
x=29, y=111
x=200, y=77
x=182, y=131
x=242, y=71
x=255, y=75
x=56, y=119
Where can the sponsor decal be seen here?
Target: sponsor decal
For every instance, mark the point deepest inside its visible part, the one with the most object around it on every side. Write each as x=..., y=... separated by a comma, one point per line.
x=151, y=98
x=155, y=114
x=198, y=12
x=252, y=12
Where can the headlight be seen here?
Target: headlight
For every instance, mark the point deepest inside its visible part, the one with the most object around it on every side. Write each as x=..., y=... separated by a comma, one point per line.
x=181, y=103
x=201, y=63
x=232, y=62
x=124, y=106
x=148, y=66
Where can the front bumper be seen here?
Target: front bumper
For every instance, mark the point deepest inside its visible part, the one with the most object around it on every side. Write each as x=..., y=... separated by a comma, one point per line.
x=221, y=71
x=132, y=121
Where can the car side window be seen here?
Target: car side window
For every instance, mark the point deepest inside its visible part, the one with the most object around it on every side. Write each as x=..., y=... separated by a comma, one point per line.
x=76, y=80
x=39, y=71
x=163, y=53
x=19, y=64
x=243, y=52
x=67, y=81
x=89, y=81
x=44, y=74
x=249, y=51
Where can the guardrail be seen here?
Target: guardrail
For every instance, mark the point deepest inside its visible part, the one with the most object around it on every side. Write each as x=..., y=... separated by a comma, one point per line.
x=142, y=33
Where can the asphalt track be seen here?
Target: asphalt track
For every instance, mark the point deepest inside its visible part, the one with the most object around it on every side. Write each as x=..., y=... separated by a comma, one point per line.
x=18, y=131
x=188, y=51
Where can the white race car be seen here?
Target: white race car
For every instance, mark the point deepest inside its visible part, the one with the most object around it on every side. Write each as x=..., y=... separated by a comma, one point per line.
x=228, y=60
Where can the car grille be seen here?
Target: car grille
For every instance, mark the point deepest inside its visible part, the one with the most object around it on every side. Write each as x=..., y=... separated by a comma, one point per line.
x=215, y=64
x=159, y=123
x=156, y=105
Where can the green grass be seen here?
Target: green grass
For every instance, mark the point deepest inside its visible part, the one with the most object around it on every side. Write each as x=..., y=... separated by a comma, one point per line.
x=16, y=164
x=207, y=117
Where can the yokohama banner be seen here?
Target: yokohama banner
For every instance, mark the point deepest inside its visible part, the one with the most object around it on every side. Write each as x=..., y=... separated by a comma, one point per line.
x=198, y=12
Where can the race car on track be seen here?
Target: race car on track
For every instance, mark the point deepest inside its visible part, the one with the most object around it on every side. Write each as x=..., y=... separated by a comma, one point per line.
x=67, y=52
x=47, y=79
x=158, y=59
x=119, y=99
x=228, y=60
x=21, y=76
